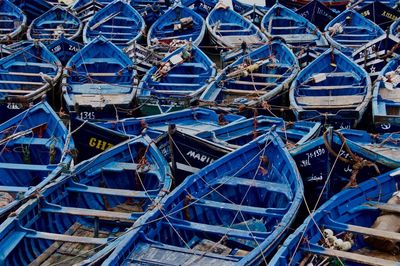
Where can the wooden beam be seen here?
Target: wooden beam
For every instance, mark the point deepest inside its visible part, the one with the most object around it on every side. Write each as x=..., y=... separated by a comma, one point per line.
x=67, y=238
x=368, y=260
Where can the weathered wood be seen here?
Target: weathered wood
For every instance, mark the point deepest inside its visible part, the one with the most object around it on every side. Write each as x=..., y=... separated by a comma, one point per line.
x=371, y=232
x=384, y=206
x=111, y=191
x=242, y=82
x=66, y=238
x=332, y=87
x=53, y=248
x=266, y=75
x=26, y=167
x=19, y=82
x=216, y=229
x=245, y=92
x=330, y=101
x=351, y=256
x=90, y=213
x=13, y=189
x=16, y=91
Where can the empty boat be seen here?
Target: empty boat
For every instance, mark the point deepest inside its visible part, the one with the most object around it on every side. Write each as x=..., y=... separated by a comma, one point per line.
x=98, y=81
x=118, y=22
x=13, y=21
x=26, y=76
x=281, y=22
x=331, y=89
x=229, y=29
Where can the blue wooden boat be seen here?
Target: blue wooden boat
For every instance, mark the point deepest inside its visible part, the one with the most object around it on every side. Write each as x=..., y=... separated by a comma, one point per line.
x=190, y=121
x=64, y=49
x=308, y=54
x=201, y=7
x=386, y=145
x=332, y=162
x=360, y=4
x=331, y=89
x=91, y=139
x=35, y=148
x=242, y=132
x=225, y=214
x=243, y=6
x=181, y=76
x=119, y=22
x=53, y=24
x=380, y=13
x=385, y=101
x=25, y=77
x=350, y=30
x=13, y=21
x=9, y=49
x=143, y=57
x=32, y=9
x=281, y=22
x=85, y=9
x=98, y=80
x=252, y=10
x=317, y=13
x=229, y=29
x=395, y=28
x=151, y=10
x=262, y=75
x=374, y=55
x=178, y=23
x=338, y=5
x=351, y=217
x=186, y=153
x=83, y=212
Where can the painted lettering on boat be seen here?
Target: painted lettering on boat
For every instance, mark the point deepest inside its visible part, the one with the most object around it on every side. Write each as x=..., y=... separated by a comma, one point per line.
x=310, y=155
x=87, y=115
x=56, y=49
x=73, y=48
x=323, y=12
x=13, y=106
x=100, y=144
x=200, y=157
x=390, y=15
x=315, y=177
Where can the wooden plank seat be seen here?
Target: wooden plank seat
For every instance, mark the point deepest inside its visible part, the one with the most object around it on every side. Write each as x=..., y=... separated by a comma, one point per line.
x=67, y=238
x=332, y=87
x=330, y=101
x=27, y=167
x=216, y=229
x=245, y=92
x=251, y=83
x=107, y=215
x=279, y=213
x=367, y=260
x=270, y=186
x=113, y=191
